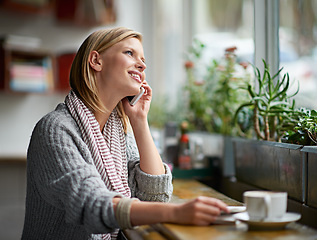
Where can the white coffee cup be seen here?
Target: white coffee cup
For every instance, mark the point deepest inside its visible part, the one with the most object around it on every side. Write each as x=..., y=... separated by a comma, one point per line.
x=265, y=205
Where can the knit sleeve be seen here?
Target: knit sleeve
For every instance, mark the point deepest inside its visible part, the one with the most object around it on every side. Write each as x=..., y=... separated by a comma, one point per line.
x=62, y=169
x=145, y=186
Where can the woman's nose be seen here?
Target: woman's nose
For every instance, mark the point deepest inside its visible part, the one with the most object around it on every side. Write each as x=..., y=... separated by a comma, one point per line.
x=141, y=65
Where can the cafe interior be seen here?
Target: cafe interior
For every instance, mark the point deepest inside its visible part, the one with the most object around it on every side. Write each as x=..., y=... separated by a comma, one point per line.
x=233, y=110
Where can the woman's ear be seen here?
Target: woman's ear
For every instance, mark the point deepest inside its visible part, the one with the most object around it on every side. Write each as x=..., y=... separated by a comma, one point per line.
x=95, y=61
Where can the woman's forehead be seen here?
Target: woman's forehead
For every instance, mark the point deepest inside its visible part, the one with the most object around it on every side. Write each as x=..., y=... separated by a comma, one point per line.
x=131, y=41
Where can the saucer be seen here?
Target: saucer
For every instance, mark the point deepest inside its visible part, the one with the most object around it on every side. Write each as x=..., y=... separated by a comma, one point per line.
x=268, y=224
x=228, y=218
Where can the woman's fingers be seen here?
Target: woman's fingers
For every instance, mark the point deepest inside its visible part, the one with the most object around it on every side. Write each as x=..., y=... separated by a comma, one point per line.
x=148, y=90
x=202, y=211
x=210, y=207
x=205, y=219
x=215, y=203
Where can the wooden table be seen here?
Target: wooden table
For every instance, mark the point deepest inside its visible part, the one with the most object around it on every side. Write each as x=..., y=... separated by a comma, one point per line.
x=189, y=189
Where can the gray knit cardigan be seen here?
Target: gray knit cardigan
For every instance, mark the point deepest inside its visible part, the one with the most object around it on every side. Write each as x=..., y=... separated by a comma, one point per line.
x=66, y=197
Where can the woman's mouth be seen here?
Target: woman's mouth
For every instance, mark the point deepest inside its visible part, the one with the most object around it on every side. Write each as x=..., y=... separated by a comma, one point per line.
x=136, y=76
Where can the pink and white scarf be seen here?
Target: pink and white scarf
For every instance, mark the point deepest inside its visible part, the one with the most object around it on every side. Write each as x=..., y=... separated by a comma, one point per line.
x=108, y=148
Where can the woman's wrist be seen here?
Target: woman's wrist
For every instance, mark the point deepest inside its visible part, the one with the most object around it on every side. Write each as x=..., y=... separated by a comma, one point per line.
x=138, y=123
x=140, y=126
x=173, y=212
x=122, y=212
x=153, y=212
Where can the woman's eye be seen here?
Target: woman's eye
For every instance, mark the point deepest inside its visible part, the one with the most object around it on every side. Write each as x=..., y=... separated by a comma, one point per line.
x=129, y=52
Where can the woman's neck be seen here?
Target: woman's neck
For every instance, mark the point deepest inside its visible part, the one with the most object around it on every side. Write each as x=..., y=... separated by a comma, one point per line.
x=102, y=118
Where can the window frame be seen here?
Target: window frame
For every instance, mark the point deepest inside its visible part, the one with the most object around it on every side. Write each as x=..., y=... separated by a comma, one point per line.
x=266, y=34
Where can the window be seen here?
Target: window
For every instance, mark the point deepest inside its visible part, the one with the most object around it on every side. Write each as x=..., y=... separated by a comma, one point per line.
x=220, y=24
x=297, y=47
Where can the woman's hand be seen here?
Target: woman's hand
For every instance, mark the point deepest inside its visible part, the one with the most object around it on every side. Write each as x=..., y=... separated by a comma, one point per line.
x=141, y=108
x=150, y=159
x=200, y=211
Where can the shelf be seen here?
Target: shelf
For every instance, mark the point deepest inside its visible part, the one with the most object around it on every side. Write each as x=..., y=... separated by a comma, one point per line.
x=27, y=6
x=23, y=70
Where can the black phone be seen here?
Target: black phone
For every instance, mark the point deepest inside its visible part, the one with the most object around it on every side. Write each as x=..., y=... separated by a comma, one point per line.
x=134, y=99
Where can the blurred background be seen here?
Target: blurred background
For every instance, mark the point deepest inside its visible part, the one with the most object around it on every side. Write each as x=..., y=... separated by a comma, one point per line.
x=45, y=34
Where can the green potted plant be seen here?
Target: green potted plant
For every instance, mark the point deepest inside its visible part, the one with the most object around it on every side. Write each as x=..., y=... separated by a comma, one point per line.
x=269, y=104
x=301, y=127
x=268, y=163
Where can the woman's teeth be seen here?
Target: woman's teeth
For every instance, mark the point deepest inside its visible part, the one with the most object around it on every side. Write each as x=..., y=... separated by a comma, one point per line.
x=135, y=76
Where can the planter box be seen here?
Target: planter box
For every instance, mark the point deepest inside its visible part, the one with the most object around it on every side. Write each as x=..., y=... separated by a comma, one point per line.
x=272, y=166
x=311, y=156
x=227, y=161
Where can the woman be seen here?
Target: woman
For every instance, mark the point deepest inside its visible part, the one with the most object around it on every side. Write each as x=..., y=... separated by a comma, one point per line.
x=86, y=175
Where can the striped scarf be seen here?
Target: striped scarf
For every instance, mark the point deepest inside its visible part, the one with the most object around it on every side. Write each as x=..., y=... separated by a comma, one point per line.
x=108, y=148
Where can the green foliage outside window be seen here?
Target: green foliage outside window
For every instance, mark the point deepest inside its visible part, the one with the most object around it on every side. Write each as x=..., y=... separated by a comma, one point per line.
x=213, y=90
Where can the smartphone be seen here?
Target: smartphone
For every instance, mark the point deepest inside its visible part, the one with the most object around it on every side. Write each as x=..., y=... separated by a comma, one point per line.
x=134, y=99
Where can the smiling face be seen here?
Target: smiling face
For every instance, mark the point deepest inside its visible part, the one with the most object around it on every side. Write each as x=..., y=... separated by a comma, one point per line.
x=121, y=70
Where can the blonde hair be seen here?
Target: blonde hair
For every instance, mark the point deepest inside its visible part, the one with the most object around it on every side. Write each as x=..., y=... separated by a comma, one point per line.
x=82, y=77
